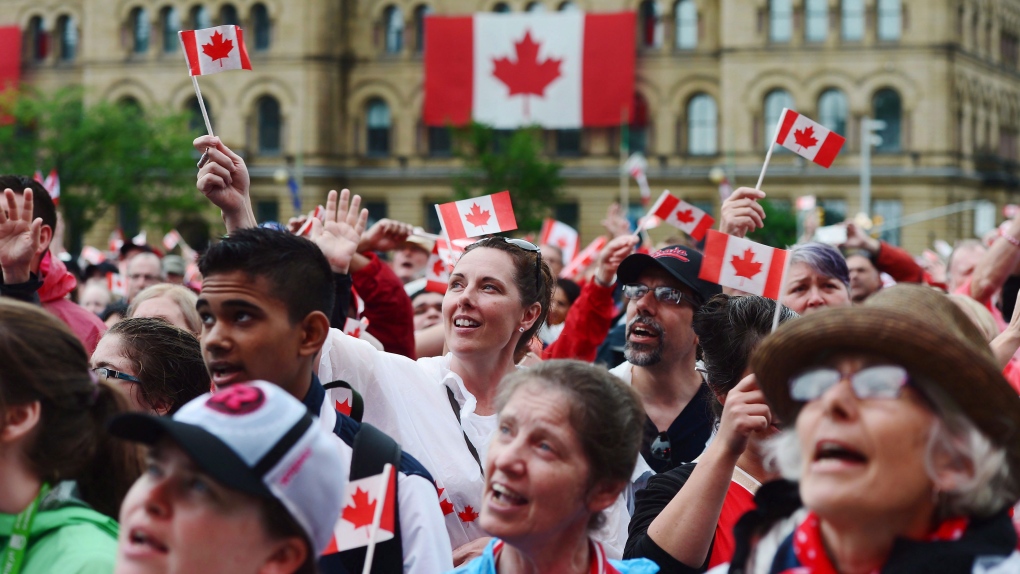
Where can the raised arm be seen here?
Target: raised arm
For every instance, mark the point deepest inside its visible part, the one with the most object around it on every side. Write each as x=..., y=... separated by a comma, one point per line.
x=997, y=264
x=741, y=212
x=224, y=180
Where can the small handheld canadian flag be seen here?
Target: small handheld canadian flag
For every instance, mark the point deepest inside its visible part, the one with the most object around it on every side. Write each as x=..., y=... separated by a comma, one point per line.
x=52, y=185
x=213, y=50
x=362, y=513
x=306, y=228
x=560, y=235
x=808, y=139
x=477, y=216
x=439, y=266
x=743, y=264
x=117, y=284
x=583, y=259
x=92, y=255
x=682, y=215
x=171, y=239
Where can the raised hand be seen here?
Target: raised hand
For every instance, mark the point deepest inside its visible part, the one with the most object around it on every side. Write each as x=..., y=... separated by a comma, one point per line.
x=741, y=212
x=615, y=222
x=857, y=238
x=612, y=255
x=20, y=238
x=224, y=180
x=339, y=235
x=385, y=235
x=744, y=412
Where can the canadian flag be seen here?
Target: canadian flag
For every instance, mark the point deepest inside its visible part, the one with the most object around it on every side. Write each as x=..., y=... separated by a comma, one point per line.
x=52, y=185
x=560, y=70
x=561, y=235
x=117, y=284
x=92, y=255
x=353, y=326
x=808, y=139
x=213, y=50
x=583, y=259
x=318, y=213
x=361, y=506
x=477, y=216
x=116, y=239
x=637, y=166
x=743, y=264
x=171, y=239
x=682, y=215
x=440, y=264
x=342, y=398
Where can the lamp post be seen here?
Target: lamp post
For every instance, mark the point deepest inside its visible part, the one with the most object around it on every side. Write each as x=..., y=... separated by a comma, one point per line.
x=869, y=137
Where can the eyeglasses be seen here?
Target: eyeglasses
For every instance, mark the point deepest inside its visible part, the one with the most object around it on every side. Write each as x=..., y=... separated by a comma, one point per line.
x=111, y=374
x=878, y=382
x=661, y=448
x=662, y=293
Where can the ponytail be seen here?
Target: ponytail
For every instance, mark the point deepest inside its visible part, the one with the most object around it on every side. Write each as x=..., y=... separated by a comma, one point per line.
x=116, y=463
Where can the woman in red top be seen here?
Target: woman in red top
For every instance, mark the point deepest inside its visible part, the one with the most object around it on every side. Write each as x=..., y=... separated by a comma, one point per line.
x=684, y=519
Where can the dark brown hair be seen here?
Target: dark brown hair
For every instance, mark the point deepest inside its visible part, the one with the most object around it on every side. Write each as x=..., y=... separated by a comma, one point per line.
x=280, y=525
x=44, y=361
x=605, y=413
x=525, y=280
x=167, y=359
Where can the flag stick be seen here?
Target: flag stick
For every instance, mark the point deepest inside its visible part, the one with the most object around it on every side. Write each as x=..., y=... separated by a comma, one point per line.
x=782, y=286
x=205, y=116
x=379, y=504
x=772, y=145
x=419, y=232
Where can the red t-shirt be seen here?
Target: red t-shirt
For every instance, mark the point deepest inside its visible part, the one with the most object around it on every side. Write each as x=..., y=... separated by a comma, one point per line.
x=737, y=502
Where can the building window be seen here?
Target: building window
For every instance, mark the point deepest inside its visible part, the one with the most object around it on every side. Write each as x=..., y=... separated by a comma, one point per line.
x=889, y=210
x=440, y=142
x=637, y=131
x=171, y=24
x=268, y=112
x=379, y=123
x=501, y=8
x=140, y=30
x=702, y=119
x=196, y=123
x=816, y=20
x=568, y=142
x=832, y=110
x=1007, y=143
x=263, y=28
x=535, y=7
x=37, y=40
x=68, y=34
x=852, y=20
x=889, y=109
x=686, y=12
x=775, y=101
x=393, y=23
x=650, y=32
x=419, y=27
x=1008, y=44
x=200, y=17
x=131, y=104
x=228, y=16
x=780, y=20
x=890, y=19
x=568, y=6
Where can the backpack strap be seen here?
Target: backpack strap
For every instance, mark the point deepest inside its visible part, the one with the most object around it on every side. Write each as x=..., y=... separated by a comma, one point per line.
x=342, y=395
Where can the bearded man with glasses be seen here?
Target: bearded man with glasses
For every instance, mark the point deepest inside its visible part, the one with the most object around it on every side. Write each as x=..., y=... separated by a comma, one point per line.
x=663, y=291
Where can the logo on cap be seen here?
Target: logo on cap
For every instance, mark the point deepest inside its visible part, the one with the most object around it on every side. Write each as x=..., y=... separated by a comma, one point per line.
x=674, y=252
x=237, y=400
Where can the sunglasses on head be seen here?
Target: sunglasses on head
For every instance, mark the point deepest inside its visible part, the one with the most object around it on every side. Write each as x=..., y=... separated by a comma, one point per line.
x=877, y=382
x=527, y=246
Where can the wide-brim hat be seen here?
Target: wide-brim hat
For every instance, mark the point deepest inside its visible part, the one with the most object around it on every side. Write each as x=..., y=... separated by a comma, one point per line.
x=915, y=327
x=680, y=261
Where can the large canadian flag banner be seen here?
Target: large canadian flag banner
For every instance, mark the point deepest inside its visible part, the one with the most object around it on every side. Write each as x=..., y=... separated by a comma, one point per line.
x=808, y=139
x=563, y=70
x=682, y=215
x=477, y=216
x=361, y=498
x=743, y=264
x=213, y=50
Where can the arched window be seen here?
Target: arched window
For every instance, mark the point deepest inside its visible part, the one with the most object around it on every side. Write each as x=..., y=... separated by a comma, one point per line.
x=501, y=8
x=775, y=101
x=67, y=31
x=131, y=104
x=140, y=30
x=228, y=16
x=260, y=22
x=649, y=20
x=832, y=110
x=378, y=124
x=569, y=6
x=890, y=19
x=200, y=17
x=38, y=41
x=637, y=136
x=268, y=115
x=686, y=13
x=393, y=23
x=780, y=20
x=816, y=20
x=702, y=118
x=888, y=108
x=852, y=18
x=535, y=7
x=420, y=13
x=171, y=24
x=196, y=123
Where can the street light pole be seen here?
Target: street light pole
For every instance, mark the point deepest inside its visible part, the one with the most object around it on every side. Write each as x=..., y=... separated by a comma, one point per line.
x=868, y=139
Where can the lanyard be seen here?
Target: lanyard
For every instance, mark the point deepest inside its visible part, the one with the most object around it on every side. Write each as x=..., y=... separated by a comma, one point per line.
x=14, y=554
x=467, y=441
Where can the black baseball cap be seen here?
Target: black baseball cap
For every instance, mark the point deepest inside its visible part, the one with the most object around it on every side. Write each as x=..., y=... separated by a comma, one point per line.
x=680, y=261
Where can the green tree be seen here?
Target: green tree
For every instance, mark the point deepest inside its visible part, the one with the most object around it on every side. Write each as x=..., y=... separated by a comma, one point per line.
x=780, y=227
x=496, y=160
x=107, y=155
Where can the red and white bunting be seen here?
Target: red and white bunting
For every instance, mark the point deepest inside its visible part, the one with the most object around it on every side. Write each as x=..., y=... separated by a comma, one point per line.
x=809, y=139
x=682, y=215
x=585, y=258
x=361, y=498
x=482, y=215
x=562, y=236
x=117, y=284
x=213, y=50
x=743, y=264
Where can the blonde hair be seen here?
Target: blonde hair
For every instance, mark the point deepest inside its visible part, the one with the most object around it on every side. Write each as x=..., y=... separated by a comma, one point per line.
x=181, y=296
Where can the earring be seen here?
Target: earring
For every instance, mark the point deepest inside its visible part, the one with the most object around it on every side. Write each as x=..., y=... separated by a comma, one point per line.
x=520, y=330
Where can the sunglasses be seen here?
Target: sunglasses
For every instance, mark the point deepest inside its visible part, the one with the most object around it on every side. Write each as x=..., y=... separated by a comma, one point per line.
x=531, y=247
x=111, y=374
x=878, y=382
x=660, y=447
x=662, y=293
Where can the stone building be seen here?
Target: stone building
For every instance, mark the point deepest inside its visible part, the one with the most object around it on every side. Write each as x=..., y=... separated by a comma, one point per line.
x=336, y=96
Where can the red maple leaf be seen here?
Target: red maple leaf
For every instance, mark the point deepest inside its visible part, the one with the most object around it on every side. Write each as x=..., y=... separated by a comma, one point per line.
x=218, y=48
x=685, y=216
x=344, y=407
x=438, y=267
x=746, y=266
x=476, y=216
x=469, y=514
x=445, y=505
x=805, y=138
x=527, y=76
x=362, y=511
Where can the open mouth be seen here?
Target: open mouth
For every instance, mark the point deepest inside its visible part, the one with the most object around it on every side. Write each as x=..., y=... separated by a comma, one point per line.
x=225, y=373
x=643, y=331
x=507, y=496
x=465, y=322
x=142, y=539
x=827, y=450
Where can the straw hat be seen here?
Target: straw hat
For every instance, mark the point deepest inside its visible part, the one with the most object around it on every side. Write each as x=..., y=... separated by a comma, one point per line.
x=913, y=326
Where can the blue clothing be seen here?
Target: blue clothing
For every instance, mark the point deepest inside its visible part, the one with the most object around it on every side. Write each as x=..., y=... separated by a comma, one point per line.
x=486, y=563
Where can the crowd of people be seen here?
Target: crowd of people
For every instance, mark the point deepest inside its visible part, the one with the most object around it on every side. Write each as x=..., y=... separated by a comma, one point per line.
x=309, y=402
